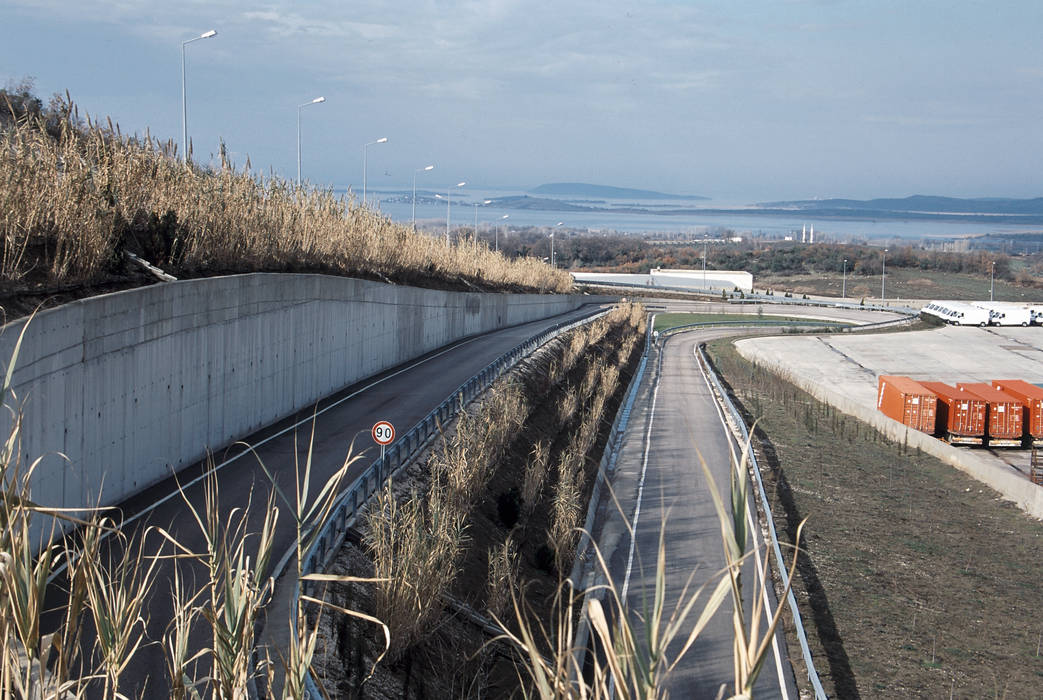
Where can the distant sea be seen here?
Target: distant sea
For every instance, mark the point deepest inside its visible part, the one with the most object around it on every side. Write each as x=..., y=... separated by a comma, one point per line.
x=879, y=232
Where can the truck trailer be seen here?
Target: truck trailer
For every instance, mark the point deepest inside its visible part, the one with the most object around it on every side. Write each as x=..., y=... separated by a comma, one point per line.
x=1031, y=397
x=961, y=415
x=1004, y=422
x=907, y=401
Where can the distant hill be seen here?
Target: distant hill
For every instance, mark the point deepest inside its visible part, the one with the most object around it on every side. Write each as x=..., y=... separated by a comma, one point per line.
x=583, y=189
x=918, y=203
x=537, y=203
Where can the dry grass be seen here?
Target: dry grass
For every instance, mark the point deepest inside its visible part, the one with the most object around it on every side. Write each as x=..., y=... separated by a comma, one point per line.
x=535, y=475
x=70, y=206
x=415, y=546
x=503, y=578
x=110, y=575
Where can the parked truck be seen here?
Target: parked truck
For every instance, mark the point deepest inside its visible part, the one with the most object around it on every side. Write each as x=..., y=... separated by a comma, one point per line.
x=907, y=401
x=1005, y=313
x=1031, y=397
x=960, y=415
x=1004, y=422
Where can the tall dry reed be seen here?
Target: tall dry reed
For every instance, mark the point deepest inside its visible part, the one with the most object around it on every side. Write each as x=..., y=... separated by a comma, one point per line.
x=69, y=206
x=416, y=546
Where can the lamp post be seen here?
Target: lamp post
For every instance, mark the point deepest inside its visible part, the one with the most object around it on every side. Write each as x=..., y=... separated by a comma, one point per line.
x=704, y=264
x=448, y=204
x=316, y=101
x=497, y=232
x=992, y=280
x=552, y=243
x=485, y=203
x=843, y=293
x=418, y=170
x=184, y=94
x=883, y=273
x=364, y=147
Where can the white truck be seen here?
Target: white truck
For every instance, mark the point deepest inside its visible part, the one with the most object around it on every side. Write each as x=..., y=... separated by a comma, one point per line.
x=1003, y=313
x=961, y=313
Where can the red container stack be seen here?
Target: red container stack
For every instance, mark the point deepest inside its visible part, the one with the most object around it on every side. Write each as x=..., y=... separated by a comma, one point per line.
x=961, y=416
x=1031, y=397
x=907, y=401
x=1005, y=422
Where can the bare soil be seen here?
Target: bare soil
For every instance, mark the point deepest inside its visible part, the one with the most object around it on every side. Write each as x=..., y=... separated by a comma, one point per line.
x=915, y=581
x=460, y=658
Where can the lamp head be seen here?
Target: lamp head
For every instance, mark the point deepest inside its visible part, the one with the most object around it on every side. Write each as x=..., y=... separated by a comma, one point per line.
x=317, y=100
x=207, y=35
x=382, y=140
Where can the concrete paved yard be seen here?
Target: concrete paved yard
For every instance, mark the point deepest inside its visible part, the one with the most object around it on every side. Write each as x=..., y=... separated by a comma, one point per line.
x=850, y=364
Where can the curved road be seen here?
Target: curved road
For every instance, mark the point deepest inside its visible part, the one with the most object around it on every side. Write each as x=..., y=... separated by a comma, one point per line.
x=403, y=395
x=658, y=479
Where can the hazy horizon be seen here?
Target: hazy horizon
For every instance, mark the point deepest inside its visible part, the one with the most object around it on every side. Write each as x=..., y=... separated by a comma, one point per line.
x=742, y=103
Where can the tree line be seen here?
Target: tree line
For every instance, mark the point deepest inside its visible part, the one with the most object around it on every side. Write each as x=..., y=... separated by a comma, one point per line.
x=635, y=254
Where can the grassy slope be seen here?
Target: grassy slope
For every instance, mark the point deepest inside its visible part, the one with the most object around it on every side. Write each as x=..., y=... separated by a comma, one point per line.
x=919, y=580
x=902, y=283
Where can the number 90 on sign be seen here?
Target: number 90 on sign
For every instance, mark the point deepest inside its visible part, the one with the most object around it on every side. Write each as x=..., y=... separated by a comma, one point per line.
x=383, y=433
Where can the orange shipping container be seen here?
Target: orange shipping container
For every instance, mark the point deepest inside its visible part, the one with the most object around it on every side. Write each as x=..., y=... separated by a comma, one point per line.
x=961, y=416
x=1031, y=397
x=1004, y=427
x=906, y=401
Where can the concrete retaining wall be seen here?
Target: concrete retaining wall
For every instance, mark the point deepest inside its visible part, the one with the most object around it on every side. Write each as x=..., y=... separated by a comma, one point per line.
x=1008, y=482
x=132, y=386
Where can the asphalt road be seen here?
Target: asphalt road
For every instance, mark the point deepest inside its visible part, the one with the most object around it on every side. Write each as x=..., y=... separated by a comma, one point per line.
x=403, y=395
x=660, y=484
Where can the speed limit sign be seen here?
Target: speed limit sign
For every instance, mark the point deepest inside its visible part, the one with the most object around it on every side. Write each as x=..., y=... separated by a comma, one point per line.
x=383, y=433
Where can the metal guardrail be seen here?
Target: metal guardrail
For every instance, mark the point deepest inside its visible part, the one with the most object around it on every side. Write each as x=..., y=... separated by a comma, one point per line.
x=332, y=535
x=816, y=683
x=753, y=323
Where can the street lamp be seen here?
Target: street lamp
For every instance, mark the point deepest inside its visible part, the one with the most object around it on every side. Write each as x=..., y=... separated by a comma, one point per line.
x=552, y=243
x=316, y=101
x=883, y=273
x=184, y=98
x=364, y=147
x=418, y=170
x=992, y=280
x=843, y=294
x=448, y=203
x=497, y=232
x=486, y=202
x=704, y=264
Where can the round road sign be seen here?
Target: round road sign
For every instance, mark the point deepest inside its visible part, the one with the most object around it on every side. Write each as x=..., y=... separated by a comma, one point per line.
x=383, y=433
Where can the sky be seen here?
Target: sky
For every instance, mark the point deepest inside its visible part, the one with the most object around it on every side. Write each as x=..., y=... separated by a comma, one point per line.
x=738, y=101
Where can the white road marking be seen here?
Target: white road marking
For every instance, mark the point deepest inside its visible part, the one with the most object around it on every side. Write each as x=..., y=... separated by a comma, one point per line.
x=641, y=481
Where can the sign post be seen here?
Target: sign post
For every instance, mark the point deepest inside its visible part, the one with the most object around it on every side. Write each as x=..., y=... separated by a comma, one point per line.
x=383, y=434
